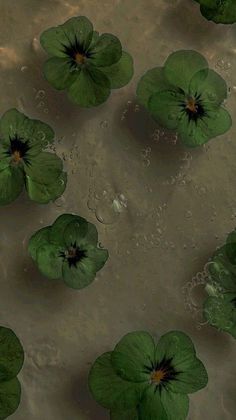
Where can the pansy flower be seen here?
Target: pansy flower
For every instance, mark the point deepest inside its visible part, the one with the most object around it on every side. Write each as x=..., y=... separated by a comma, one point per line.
x=68, y=250
x=24, y=163
x=86, y=64
x=220, y=11
x=186, y=96
x=11, y=362
x=148, y=381
x=220, y=307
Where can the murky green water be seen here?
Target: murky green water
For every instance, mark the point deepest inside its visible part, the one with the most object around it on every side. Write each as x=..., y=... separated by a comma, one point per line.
x=160, y=209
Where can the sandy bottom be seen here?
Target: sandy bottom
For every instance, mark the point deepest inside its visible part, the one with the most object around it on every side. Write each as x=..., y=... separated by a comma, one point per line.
x=177, y=206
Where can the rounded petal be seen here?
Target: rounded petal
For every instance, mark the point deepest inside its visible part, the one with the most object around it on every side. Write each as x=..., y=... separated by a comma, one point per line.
x=175, y=405
x=108, y=389
x=220, y=312
x=75, y=231
x=11, y=354
x=181, y=66
x=151, y=82
x=99, y=256
x=80, y=29
x=131, y=414
x=5, y=159
x=59, y=72
x=44, y=168
x=91, y=236
x=49, y=260
x=134, y=355
x=80, y=276
x=12, y=122
x=42, y=193
x=91, y=88
x=121, y=72
x=10, y=394
x=192, y=378
x=150, y=407
x=224, y=13
x=11, y=184
x=106, y=51
x=210, y=85
x=166, y=107
x=57, y=232
x=40, y=238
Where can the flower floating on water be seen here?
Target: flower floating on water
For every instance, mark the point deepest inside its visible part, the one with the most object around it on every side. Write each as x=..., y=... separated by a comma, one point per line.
x=68, y=250
x=186, y=96
x=86, y=64
x=147, y=381
x=11, y=362
x=24, y=163
x=220, y=11
x=220, y=306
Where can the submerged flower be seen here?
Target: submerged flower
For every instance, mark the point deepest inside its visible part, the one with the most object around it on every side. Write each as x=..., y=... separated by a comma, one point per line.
x=148, y=381
x=68, y=250
x=186, y=96
x=24, y=163
x=220, y=11
x=86, y=64
x=220, y=307
x=11, y=362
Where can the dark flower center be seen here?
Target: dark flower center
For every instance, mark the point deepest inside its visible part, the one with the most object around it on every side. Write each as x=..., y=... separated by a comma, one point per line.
x=74, y=254
x=161, y=373
x=76, y=51
x=194, y=108
x=18, y=149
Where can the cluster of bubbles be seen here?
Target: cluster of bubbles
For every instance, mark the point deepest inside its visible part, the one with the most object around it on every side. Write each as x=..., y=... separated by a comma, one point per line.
x=40, y=97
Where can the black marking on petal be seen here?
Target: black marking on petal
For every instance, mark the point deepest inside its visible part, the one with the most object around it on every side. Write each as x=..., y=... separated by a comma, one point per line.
x=18, y=149
x=163, y=373
x=73, y=255
x=76, y=51
x=194, y=108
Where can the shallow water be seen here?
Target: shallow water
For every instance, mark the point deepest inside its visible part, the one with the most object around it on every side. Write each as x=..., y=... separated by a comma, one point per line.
x=161, y=209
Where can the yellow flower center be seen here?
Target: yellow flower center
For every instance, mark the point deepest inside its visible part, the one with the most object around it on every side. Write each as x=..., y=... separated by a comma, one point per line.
x=16, y=156
x=157, y=376
x=192, y=105
x=80, y=58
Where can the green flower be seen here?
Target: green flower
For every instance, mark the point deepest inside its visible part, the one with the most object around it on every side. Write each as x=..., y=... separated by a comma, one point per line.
x=11, y=362
x=24, y=163
x=186, y=96
x=148, y=381
x=86, y=64
x=220, y=307
x=68, y=250
x=220, y=11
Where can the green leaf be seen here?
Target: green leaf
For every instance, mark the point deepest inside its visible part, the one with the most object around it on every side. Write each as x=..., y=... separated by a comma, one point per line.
x=132, y=355
x=61, y=223
x=10, y=394
x=166, y=107
x=224, y=12
x=209, y=85
x=11, y=184
x=12, y=122
x=49, y=260
x=151, y=82
x=44, y=168
x=109, y=390
x=43, y=194
x=75, y=231
x=11, y=354
x=80, y=276
x=220, y=312
x=38, y=133
x=222, y=272
x=99, y=256
x=131, y=414
x=106, y=51
x=151, y=407
x=91, y=88
x=181, y=66
x=121, y=72
x=59, y=73
x=40, y=238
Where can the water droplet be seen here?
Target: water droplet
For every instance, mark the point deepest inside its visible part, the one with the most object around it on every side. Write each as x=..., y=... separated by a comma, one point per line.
x=24, y=69
x=104, y=124
x=40, y=94
x=35, y=44
x=105, y=213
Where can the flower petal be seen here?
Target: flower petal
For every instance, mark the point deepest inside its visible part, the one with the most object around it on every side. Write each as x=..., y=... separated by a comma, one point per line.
x=11, y=184
x=175, y=405
x=210, y=85
x=42, y=193
x=11, y=354
x=57, y=233
x=151, y=82
x=121, y=72
x=40, y=238
x=181, y=66
x=108, y=389
x=10, y=394
x=91, y=88
x=75, y=231
x=150, y=407
x=223, y=13
x=80, y=276
x=79, y=28
x=222, y=272
x=44, y=168
x=49, y=260
x=99, y=256
x=133, y=356
x=59, y=73
x=166, y=108
x=215, y=123
x=192, y=378
x=106, y=51
x=12, y=122
x=220, y=312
